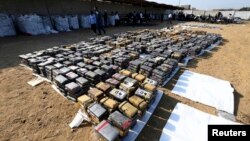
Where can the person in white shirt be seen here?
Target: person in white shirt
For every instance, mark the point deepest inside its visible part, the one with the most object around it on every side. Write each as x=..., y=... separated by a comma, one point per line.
x=117, y=19
x=92, y=19
x=170, y=18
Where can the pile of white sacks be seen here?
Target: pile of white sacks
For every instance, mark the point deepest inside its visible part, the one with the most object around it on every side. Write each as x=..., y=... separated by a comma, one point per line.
x=36, y=25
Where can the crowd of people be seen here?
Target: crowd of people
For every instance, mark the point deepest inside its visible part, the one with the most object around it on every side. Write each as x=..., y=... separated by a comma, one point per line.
x=100, y=20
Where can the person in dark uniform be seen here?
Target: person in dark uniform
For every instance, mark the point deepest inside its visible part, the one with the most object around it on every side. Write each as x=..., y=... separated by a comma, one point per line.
x=99, y=22
x=105, y=16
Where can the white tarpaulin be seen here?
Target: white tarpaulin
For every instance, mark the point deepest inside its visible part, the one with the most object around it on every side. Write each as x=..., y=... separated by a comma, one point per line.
x=189, y=124
x=206, y=89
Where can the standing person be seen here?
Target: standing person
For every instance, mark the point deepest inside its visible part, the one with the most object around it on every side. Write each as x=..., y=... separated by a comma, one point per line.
x=170, y=18
x=117, y=19
x=105, y=16
x=141, y=17
x=92, y=19
x=134, y=18
x=99, y=22
x=162, y=16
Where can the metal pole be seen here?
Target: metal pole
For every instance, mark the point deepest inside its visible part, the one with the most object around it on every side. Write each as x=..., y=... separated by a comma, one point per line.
x=179, y=2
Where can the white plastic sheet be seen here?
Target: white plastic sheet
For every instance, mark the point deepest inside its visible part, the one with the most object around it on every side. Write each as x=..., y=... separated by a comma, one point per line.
x=85, y=22
x=79, y=118
x=6, y=26
x=73, y=22
x=206, y=89
x=189, y=124
x=31, y=24
x=61, y=23
x=36, y=81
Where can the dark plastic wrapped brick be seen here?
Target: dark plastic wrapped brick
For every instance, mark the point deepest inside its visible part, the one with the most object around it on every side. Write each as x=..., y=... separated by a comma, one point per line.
x=49, y=68
x=65, y=70
x=73, y=68
x=90, y=67
x=81, y=64
x=106, y=68
x=61, y=81
x=67, y=63
x=91, y=75
x=82, y=81
x=119, y=120
x=72, y=87
x=81, y=71
x=97, y=110
x=107, y=131
x=58, y=65
x=100, y=72
x=59, y=55
x=95, y=58
x=97, y=63
x=71, y=75
x=105, y=62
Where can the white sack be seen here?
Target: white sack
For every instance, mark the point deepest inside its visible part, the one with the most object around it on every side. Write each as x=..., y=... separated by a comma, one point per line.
x=6, y=26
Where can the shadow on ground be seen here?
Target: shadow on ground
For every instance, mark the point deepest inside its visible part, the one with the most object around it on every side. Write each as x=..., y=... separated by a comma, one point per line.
x=207, y=54
x=153, y=129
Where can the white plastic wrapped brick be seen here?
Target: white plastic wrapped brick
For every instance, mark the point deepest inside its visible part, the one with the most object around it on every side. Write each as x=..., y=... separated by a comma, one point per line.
x=73, y=22
x=61, y=23
x=85, y=22
x=6, y=26
x=31, y=24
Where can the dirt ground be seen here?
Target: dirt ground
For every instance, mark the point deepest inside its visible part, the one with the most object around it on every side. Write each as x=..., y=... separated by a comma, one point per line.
x=39, y=113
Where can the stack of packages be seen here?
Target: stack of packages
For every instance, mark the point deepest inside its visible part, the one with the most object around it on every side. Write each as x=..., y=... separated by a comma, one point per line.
x=162, y=72
x=113, y=82
x=101, y=73
x=146, y=68
x=106, y=131
x=97, y=112
x=61, y=81
x=33, y=63
x=108, y=103
x=49, y=69
x=122, y=62
x=109, y=70
x=96, y=94
x=81, y=71
x=92, y=77
x=84, y=83
x=120, y=122
x=134, y=66
x=194, y=50
x=73, y=91
x=25, y=59
x=129, y=85
x=42, y=65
